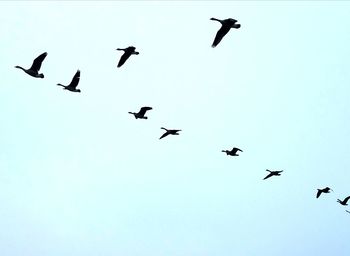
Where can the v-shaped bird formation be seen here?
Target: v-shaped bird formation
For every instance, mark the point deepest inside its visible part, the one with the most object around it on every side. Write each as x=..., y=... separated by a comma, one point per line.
x=226, y=26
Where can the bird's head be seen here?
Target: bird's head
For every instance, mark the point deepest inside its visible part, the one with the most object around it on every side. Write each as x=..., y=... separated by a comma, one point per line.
x=41, y=75
x=78, y=90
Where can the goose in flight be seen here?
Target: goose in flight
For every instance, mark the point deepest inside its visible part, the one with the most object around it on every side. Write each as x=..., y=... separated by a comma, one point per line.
x=168, y=131
x=324, y=190
x=344, y=202
x=34, y=69
x=273, y=173
x=127, y=53
x=226, y=25
x=73, y=84
x=232, y=152
x=141, y=113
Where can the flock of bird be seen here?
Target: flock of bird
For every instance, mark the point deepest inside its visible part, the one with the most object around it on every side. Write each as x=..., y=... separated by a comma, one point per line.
x=226, y=25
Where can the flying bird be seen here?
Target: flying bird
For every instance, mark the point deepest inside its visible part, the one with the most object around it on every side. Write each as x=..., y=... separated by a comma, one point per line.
x=73, y=84
x=232, y=152
x=273, y=173
x=168, y=131
x=141, y=113
x=347, y=211
x=34, y=69
x=344, y=202
x=324, y=190
x=226, y=25
x=127, y=53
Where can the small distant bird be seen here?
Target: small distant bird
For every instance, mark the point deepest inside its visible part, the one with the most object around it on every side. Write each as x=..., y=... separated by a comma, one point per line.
x=273, y=173
x=127, y=53
x=324, y=190
x=34, y=69
x=168, y=131
x=344, y=202
x=226, y=25
x=141, y=113
x=73, y=84
x=347, y=211
x=232, y=152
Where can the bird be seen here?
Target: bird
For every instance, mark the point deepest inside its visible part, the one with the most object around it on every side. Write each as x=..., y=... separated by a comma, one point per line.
x=73, y=84
x=141, y=113
x=232, y=152
x=347, y=211
x=324, y=190
x=226, y=25
x=127, y=53
x=34, y=69
x=344, y=202
x=273, y=173
x=168, y=131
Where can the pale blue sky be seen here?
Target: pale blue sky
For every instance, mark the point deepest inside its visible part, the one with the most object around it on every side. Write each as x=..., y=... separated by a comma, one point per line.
x=80, y=176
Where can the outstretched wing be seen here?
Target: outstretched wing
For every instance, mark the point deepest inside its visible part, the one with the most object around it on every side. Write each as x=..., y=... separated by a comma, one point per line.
x=319, y=192
x=123, y=58
x=346, y=199
x=220, y=34
x=164, y=135
x=143, y=110
x=268, y=176
x=234, y=150
x=37, y=62
x=75, y=80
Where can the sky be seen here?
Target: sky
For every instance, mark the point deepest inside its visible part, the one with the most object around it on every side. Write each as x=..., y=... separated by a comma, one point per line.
x=81, y=176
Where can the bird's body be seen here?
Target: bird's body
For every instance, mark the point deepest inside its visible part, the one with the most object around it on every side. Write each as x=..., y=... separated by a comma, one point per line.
x=324, y=190
x=73, y=84
x=226, y=25
x=232, y=152
x=127, y=53
x=34, y=69
x=169, y=132
x=273, y=173
x=141, y=113
x=344, y=202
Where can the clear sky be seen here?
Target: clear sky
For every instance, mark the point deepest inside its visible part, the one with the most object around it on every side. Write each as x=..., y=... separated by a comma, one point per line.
x=79, y=176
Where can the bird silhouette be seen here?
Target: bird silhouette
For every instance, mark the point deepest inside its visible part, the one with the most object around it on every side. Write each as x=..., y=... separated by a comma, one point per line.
x=168, y=131
x=141, y=113
x=344, y=202
x=347, y=211
x=73, y=84
x=324, y=190
x=127, y=53
x=232, y=152
x=34, y=69
x=273, y=173
x=226, y=25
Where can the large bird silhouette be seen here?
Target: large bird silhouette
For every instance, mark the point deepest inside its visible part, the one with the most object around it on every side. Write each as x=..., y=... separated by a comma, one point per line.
x=141, y=113
x=232, y=152
x=345, y=201
x=169, y=132
x=127, y=53
x=324, y=190
x=73, y=84
x=34, y=69
x=272, y=173
x=226, y=25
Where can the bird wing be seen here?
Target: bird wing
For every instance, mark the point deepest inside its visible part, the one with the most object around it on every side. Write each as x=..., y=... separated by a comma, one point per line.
x=319, y=192
x=37, y=62
x=346, y=199
x=220, y=34
x=234, y=150
x=164, y=135
x=74, y=83
x=123, y=58
x=268, y=176
x=143, y=110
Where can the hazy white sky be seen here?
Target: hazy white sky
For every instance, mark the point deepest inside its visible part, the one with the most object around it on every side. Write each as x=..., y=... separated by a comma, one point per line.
x=80, y=176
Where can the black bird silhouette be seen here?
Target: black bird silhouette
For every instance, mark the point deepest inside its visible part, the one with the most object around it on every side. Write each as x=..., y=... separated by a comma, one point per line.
x=226, y=25
x=324, y=190
x=347, y=211
x=168, y=131
x=232, y=152
x=141, y=113
x=344, y=202
x=273, y=173
x=127, y=53
x=73, y=84
x=34, y=69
